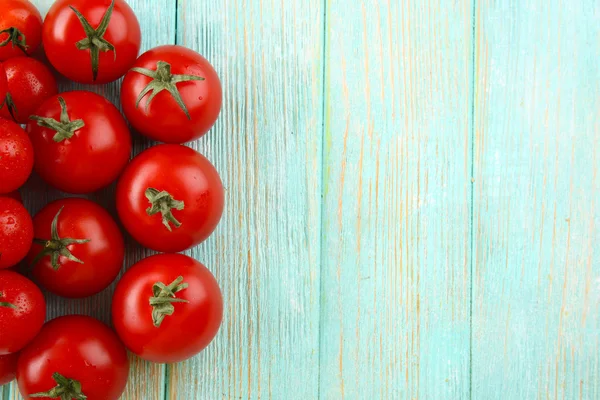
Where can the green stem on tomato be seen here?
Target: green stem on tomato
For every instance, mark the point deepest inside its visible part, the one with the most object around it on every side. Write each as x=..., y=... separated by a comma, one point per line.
x=65, y=389
x=163, y=202
x=163, y=79
x=163, y=299
x=6, y=304
x=10, y=105
x=16, y=38
x=65, y=128
x=56, y=246
x=94, y=40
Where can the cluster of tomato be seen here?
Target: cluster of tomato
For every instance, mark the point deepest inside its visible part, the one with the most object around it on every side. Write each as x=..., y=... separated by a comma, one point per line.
x=169, y=198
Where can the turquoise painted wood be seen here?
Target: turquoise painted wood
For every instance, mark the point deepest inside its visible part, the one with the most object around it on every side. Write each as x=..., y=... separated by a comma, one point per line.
x=536, y=282
x=396, y=210
x=267, y=146
x=412, y=197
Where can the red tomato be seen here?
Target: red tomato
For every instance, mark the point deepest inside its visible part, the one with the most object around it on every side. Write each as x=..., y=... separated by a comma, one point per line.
x=170, y=198
x=78, y=249
x=20, y=29
x=22, y=311
x=16, y=156
x=91, y=41
x=8, y=368
x=172, y=94
x=15, y=195
x=3, y=83
x=16, y=232
x=81, y=142
x=73, y=357
x=167, y=308
x=29, y=83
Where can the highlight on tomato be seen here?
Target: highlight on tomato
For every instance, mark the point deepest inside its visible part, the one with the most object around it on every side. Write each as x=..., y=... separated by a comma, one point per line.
x=170, y=198
x=20, y=29
x=91, y=41
x=16, y=232
x=73, y=357
x=16, y=156
x=29, y=83
x=172, y=94
x=81, y=141
x=167, y=308
x=78, y=249
x=22, y=311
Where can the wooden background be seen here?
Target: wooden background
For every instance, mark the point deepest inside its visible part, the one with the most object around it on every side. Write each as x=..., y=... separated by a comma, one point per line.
x=413, y=204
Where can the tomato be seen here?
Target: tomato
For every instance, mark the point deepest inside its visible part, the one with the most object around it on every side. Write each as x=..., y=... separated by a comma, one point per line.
x=81, y=142
x=20, y=29
x=16, y=156
x=170, y=198
x=16, y=232
x=29, y=83
x=73, y=357
x=8, y=368
x=15, y=195
x=172, y=94
x=22, y=311
x=167, y=308
x=3, y=84
x=78, y=249
x=91, y=41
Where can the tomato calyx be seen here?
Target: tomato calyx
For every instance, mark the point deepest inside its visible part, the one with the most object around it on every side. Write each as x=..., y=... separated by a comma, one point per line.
x=10, y=105
x=16, y=38
x=65, y=128
x=163, y=202
x=94, y=41
x=65, y=389
x=57, y=246
x=163, y=79
x=7, y=304
x=163, y=299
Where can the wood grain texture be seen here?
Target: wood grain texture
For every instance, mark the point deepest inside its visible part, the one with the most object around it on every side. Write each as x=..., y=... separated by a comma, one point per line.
x=536, y=307
x=157, y=19
x=395, y=260
x=266, y=145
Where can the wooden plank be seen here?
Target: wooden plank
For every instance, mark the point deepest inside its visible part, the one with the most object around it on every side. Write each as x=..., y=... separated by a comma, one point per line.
x=266, y=145
x=396, y=250
x=157, y=19
x=536, y=300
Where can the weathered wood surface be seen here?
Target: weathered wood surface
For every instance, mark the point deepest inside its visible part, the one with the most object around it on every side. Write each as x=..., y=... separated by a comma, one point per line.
x=536, y=277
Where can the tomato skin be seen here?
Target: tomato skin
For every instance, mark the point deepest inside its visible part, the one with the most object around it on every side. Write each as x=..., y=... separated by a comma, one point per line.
x=189, y=177
x=8, y=368
x=15, y=195
x=163, y=119
x=16, y=156
x=19, y=326
x=96, y=154
x=102, y=256
x=3, y=84
x=16, y=232
x=24, y=16
x=180, y=336
x=77, y=347
x=29, y=83
x=62, y=30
